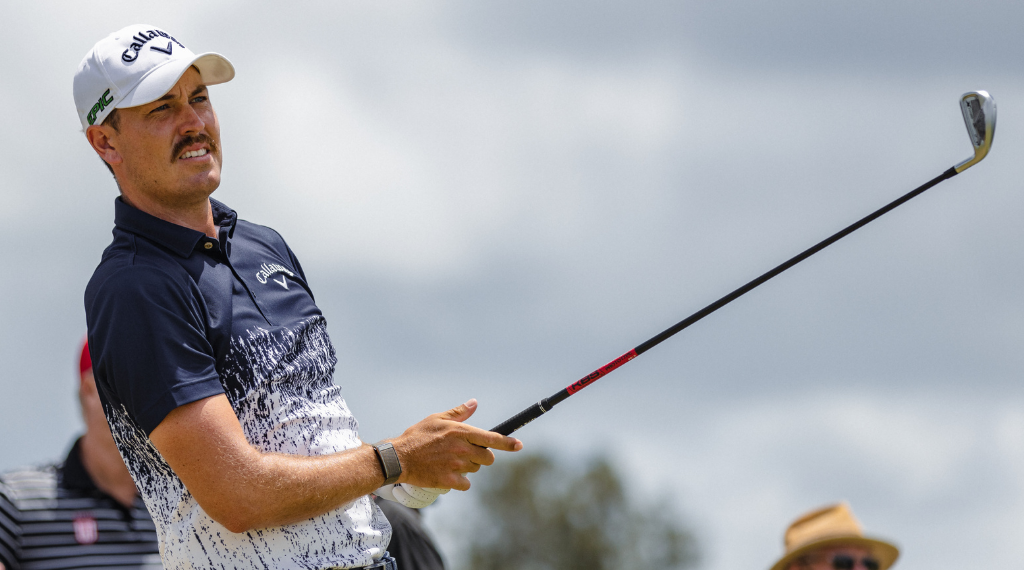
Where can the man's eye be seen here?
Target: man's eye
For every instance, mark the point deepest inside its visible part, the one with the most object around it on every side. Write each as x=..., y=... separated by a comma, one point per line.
x=200, y=99
x=160, y=108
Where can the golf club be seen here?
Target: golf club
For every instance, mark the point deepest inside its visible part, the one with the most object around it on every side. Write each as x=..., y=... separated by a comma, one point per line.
x=979, y=111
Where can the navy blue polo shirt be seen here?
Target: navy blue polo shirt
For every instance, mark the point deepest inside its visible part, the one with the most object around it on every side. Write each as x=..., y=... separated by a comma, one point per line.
x=169, y=300
x=174, y=317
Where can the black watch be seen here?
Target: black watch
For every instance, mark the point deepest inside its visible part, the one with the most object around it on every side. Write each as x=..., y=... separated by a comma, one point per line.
x=389, y=463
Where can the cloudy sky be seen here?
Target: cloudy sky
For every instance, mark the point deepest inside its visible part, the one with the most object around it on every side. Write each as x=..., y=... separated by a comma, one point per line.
x=493, y=199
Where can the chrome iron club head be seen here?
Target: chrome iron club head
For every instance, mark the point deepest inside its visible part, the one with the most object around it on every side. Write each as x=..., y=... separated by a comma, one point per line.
x=979, y=109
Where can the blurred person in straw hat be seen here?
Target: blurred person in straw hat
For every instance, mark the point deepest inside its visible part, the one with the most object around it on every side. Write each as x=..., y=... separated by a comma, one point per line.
x=830, y=538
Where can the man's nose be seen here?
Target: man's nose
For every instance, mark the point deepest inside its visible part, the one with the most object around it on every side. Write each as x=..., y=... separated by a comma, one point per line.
x=189, y=121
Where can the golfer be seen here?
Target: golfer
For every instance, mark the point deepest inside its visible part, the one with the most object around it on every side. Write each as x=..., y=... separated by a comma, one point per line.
x=211, y=357
x=830, y=538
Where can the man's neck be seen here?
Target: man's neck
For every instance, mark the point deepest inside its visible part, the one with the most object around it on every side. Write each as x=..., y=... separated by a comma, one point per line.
x=197, y=216
x=106, y=468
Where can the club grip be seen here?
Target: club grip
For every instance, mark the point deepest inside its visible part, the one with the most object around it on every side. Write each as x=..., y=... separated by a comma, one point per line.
x=521, y=419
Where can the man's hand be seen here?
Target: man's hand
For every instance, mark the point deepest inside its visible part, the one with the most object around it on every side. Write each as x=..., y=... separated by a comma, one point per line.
x=243, y=488
x=439, y=451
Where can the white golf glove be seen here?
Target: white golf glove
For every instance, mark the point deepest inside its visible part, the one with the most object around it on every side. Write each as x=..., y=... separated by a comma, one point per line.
x=410, y=495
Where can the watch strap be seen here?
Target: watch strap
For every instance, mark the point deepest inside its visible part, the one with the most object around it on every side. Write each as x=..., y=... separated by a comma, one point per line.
x=389, y=463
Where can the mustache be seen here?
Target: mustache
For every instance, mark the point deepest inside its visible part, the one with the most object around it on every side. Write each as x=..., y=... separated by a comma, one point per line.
x=190, y=140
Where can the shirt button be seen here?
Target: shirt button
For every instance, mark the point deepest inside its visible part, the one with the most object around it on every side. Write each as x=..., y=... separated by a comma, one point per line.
x=208, y=245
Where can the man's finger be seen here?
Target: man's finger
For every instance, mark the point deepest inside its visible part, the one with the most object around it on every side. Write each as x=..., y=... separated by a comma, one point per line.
x=479, y=455
x=460, y=413
x=494, y=440
x=458, y=481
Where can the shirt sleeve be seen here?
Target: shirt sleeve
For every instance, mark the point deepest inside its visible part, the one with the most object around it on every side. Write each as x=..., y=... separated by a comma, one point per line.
x=295, y=262
x=147, y=338
x=10, y=531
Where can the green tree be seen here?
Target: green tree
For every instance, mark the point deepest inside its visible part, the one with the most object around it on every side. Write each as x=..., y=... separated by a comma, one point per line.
x=538, y=515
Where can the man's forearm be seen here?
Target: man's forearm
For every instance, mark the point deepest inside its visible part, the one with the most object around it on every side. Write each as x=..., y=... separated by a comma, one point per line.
x=277, y=489
x=243, y=488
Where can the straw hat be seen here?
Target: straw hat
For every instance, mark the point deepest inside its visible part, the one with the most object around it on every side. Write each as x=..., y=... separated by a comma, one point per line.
x=829, y=526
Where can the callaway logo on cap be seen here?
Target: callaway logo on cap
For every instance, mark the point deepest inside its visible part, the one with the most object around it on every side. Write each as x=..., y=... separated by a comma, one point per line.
x=135, y=66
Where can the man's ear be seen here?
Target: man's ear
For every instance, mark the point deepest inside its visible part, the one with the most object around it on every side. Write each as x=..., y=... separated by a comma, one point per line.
x=102, y=140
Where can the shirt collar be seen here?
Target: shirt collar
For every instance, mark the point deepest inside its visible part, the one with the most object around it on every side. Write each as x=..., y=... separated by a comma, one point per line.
x=178, y=239
x=73, y=473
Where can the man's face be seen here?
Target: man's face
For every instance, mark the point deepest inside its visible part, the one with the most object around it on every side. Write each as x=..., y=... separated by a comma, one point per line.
x=170, y=148
x=837, y=558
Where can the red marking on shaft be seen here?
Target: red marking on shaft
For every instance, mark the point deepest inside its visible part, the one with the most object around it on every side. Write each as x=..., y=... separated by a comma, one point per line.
x=607, y=368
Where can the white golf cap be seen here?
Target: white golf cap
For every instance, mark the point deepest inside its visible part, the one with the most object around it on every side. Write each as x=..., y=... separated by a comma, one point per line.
x=138, y=65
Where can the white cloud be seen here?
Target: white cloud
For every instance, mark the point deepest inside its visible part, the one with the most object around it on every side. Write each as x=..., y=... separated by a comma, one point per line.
x=426, y=183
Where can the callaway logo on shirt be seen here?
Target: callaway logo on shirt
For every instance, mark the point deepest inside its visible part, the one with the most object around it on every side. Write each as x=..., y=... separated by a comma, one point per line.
x=268, y=269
